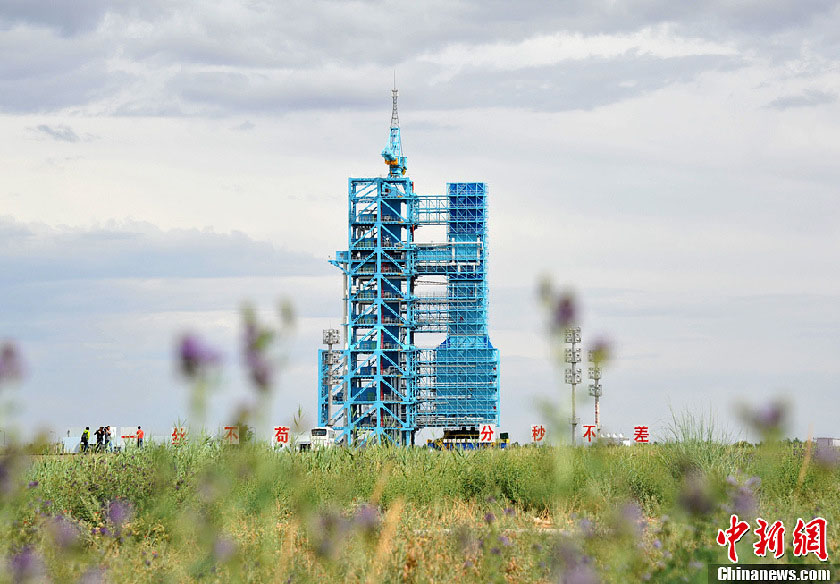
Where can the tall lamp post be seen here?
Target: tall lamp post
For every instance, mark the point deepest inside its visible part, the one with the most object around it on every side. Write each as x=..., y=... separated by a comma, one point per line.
x=573, y=376
x=595, y=389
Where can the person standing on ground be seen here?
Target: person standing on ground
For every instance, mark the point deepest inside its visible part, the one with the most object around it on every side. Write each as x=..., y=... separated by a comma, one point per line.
x=140, y=435
x=100, y=438
x=85, y=438
x=107, y=438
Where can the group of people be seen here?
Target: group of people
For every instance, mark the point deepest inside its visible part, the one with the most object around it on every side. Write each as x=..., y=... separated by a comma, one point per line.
x=103, y=438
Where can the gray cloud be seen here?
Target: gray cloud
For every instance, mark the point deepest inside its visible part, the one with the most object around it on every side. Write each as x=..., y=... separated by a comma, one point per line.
x=69, y=18
x=96, y=313
x=808, y=98
x=140, y=250
x=168, y=59
x=41, y=71
x=299, y=23
x=570, y=85
x=60, y=132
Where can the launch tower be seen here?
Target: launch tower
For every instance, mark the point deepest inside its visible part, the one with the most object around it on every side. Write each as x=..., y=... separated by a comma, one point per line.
x=414, y=349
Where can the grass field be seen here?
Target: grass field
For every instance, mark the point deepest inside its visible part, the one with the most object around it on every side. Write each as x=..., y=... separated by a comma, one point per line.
x=247, y=514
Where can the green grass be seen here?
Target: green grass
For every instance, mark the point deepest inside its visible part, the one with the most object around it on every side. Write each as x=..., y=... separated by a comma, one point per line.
x=251, y=515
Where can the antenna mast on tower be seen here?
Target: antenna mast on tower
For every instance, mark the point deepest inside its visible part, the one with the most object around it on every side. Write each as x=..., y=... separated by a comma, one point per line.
x=393, y=153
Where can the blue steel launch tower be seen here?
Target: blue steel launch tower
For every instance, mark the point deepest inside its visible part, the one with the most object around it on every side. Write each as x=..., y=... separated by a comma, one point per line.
x=414, y=349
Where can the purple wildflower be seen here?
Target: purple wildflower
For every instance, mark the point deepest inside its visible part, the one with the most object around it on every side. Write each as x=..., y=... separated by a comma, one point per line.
x=331, y=527
x=489, y=517
x=565, y=311
x=367, y=518
x=657, y=544
x=27, y=565
x=742, y=495
x=768, y=418
x=223, y=549
x=119, y=512
x=11, y=364
x=33, y=484
x=695, y=497
x=93, y=576
x=255, y=352
x=465, y=539
x=509, y=511
x=826, y=454
x=260, y=370
x=631, y=520
x=65, y=534
x=196, y=356
x=743, y=502
x=505, y=541
x=601, y=351
x=580, y=574
x=587, y=528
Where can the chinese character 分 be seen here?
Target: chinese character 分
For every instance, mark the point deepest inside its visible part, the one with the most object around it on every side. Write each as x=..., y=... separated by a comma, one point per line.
x=770, y=538
x=732, y=535
x=640, y=434
x=281, y=434
x=810, y=538
x=537, y=433
x=486, y=433
x=587, y=431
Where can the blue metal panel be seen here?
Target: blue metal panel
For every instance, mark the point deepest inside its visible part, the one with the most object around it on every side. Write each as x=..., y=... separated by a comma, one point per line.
x=385, y=384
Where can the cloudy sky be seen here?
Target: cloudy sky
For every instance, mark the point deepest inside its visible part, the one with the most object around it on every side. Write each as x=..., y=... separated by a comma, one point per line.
x=676, y=164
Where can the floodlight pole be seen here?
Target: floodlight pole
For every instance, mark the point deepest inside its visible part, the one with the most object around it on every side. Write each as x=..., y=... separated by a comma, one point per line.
x=595, y=389
x=573, y=373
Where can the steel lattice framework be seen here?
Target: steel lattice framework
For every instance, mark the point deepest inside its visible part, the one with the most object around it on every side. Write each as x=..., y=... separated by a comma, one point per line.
x=384, y=384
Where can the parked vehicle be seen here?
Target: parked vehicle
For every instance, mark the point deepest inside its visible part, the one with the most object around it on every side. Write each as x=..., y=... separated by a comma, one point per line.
x=466, y=439
x=323, y=437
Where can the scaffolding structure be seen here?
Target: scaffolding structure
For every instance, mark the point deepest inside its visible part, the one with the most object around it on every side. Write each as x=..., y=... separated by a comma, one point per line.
x=393, y=375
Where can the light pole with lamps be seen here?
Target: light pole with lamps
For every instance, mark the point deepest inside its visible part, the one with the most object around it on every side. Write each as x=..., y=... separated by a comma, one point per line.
x=573, y=374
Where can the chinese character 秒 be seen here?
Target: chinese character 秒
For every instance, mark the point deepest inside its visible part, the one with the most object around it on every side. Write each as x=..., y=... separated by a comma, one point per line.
x=281, y=434
x=770, y=538
x=587, y=432
x=731, y=536
x=537, y=433
x=640, y=434
x=810, y=538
